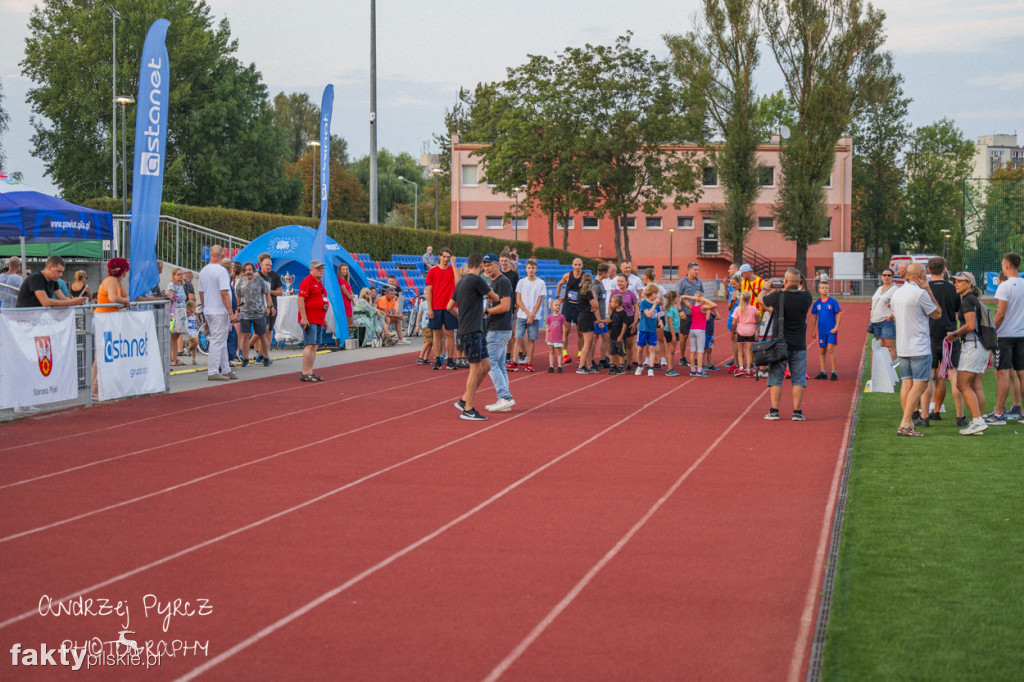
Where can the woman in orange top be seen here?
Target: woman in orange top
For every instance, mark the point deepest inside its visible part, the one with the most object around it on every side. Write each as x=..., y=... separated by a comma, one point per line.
x=110, y=291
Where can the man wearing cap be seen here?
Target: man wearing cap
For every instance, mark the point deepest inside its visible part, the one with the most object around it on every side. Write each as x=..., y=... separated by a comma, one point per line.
x=312, y=318
x=912, y=306
x=499, y=331
x=687, y=286
x=470, y=292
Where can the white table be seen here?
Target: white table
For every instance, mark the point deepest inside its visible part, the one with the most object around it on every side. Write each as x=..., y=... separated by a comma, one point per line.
x=287, y=327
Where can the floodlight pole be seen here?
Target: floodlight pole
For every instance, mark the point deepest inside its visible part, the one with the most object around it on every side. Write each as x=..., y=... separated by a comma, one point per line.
x=373, y=112
x=124, y=100
x=315, y=146
x=114, y=16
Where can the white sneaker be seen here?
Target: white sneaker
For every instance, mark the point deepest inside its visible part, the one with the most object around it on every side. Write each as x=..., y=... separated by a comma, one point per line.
x=503, y=405
x=639, y=370
x=404, y=342
x=975, y=428
x=650, y=372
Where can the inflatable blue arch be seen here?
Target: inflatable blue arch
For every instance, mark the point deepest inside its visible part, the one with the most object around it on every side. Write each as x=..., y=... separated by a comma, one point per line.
x=289, y=247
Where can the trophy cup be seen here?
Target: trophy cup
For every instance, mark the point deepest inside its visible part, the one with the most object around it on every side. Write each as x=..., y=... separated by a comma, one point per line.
x=288, y=279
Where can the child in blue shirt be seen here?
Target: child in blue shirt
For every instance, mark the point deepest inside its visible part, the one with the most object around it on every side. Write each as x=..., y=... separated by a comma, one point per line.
x=826, y=315
x=647, y=330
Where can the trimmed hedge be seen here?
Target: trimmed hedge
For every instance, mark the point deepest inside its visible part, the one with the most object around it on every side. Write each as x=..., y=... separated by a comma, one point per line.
x=377, y=240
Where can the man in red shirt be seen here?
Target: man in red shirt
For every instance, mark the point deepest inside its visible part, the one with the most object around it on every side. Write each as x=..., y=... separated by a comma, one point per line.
x=312, y=317
x=440, y=285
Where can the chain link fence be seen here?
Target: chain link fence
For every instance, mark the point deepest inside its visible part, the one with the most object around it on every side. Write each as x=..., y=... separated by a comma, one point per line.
x=993, y=221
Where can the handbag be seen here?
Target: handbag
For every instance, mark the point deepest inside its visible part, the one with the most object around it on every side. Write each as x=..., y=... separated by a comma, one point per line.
x=773, y=349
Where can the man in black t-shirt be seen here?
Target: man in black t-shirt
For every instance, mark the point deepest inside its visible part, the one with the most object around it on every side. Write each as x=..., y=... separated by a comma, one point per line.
x=499, y=331
x=40, y=289
x=273, y=279
x=510, y=270
x=949, y=304
x=795, y=305
x=468, y=304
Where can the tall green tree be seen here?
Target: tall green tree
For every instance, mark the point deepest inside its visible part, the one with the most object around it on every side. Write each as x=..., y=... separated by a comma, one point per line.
x=390, y=190
x=299, y=116
x=830, y=55
x=879, y=136
x=223, y=147
x=4, y=123
x=1004, y=214
x=938, y=160
x=716, y=63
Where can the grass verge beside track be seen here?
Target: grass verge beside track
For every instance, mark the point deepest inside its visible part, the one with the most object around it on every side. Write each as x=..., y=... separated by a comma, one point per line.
x=930, y=578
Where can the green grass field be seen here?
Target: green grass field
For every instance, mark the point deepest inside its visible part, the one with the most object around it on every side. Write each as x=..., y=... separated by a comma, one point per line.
x=930, y=579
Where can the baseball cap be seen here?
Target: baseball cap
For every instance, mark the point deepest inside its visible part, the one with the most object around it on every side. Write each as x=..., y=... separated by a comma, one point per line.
x=966, y=276
x=490, y=258
x=744, y=268
x=314, y=264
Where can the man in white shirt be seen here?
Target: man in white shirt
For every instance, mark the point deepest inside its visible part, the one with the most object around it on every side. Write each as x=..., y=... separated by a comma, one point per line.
x=530, y=294
x=1009, y=321
x=635, y=284
x=215, y=297
x=912, y=306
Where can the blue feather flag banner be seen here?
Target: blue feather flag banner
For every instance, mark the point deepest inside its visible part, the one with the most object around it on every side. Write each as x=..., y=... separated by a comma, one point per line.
x=150, y=154
x=326, y=107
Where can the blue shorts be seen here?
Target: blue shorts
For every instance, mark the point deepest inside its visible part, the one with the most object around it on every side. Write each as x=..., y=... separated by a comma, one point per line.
x=313, y=335
x=445, y=318
x=886, y=329
x=827, y=340
x=256, y=327
x=797, y=364
x=529, y=331
x=647, y=339
x=918, y=367
x=600, y=328
x=475, y=345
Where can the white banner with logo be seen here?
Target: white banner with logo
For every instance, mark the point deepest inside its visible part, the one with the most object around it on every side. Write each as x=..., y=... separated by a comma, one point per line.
x=38, y=362
x=128, y=360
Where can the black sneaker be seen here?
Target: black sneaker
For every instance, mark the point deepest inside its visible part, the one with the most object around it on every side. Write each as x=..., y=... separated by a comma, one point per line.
x=460, y=405
x=962, y=422
x=438, y=364
x=935, y=416
x=559, y=370
x=245, y=362
x=772, y=416
x=820, y=376
x=834, y=377
x=922, y=423
x=551, y=370
x=452, y=364
x=267, y=362
x=798, y=416
x=472, y=416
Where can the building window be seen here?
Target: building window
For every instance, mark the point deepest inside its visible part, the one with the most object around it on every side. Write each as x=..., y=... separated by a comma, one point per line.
x=684, y=222
x=766, y=223
x=670, y=272
x=566, y=221
x=493, y=222
x=767, y=176
x=589, y=222
x=828, y=183
x=710, y=177
x=652, y=222
x=641, y=270
x=628, y=222
x=828, y=228
x=468, y=222
x=470, y=175
x=519, y=223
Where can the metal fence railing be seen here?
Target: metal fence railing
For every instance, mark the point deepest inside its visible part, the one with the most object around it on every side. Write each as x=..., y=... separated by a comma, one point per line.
x=178, y=241
x=85, y=353
x=993, y=220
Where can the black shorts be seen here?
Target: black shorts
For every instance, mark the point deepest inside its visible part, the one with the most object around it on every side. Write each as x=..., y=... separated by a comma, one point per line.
x=585, y=322
x=684, y=326
x=617, y=348
x=954, y=355
x=271, y=319
x=669, y=336
x=745, y=339
x=571, y=312
x=475, y=345
x=256, y=327
x=443, y=318
x=1010, y=353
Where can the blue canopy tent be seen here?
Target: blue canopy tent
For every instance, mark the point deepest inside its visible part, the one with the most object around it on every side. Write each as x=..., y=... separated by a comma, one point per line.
x=28, y=216
x=289, y=247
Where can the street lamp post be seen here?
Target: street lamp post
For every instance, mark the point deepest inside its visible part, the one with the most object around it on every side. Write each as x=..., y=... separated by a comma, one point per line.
x=124, y=100
x=415, y=204
x=945, y=253
x=314, y=145
x=437, y=179
x=671, y=234
x=114, y=16
x=517, y=190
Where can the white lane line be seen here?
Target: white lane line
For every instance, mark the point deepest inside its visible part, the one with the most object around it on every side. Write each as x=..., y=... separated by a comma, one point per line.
x=803, y=638
x=164, y=415
x=409, y=548
x=302, y=505
x=537, y=631
x=202, y=436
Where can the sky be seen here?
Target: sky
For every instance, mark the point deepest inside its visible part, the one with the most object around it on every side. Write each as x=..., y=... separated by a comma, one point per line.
x=961, y=59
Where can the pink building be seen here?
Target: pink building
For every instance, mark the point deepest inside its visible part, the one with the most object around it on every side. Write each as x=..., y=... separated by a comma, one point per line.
x=672, y=238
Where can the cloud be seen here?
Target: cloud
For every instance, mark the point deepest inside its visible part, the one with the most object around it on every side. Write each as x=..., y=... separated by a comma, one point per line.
x=1001, y=81
x=926, y=26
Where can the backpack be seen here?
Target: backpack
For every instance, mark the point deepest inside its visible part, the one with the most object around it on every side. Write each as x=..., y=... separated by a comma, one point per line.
x=986, y=328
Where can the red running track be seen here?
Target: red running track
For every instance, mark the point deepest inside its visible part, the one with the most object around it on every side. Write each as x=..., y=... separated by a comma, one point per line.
x=608, y=528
